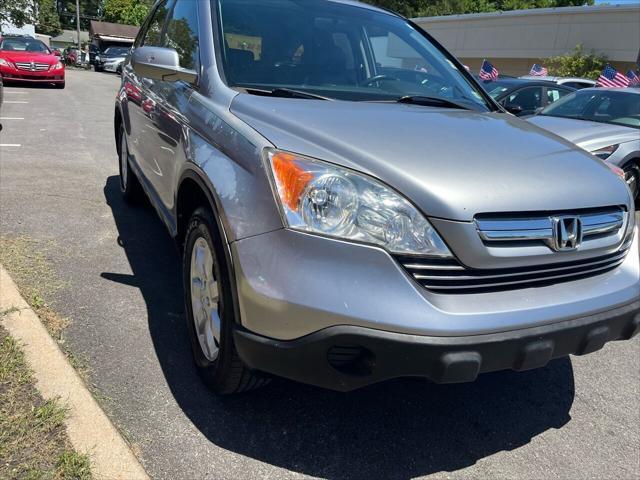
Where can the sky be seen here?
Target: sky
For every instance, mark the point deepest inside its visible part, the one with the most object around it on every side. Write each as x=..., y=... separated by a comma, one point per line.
x=617, y=2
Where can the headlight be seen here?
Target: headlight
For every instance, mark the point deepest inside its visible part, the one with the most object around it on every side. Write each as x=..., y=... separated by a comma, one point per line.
x=322, y=198
x=605, y=152
x=5, y=63
x=58, y=65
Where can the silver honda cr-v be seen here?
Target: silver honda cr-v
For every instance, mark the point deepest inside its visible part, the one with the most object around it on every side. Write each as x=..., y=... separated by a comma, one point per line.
x=352, y=207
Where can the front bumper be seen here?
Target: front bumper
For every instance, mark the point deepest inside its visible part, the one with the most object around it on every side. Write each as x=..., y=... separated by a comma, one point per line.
x=348, y=357
x=111, y=67
x=10, y=74
x=292, y=284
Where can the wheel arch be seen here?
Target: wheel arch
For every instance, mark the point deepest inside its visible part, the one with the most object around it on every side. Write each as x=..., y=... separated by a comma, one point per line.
x=192, y=193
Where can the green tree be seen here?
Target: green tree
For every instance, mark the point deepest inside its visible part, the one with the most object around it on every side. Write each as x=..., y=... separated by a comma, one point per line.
x=89, y=10
x=17, y=12
x=135, y=15
x=577, y=64
x=48, y=20
x=129, y=12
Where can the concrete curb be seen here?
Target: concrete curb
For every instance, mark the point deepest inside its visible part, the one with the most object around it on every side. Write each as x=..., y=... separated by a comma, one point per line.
x=90, y=430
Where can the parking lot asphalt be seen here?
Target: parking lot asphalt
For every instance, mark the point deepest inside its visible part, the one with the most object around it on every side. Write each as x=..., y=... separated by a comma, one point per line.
x=577, y=418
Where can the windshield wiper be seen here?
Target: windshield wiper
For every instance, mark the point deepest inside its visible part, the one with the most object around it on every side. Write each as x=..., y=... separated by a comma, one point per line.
x=286, y=93
x=431, y=102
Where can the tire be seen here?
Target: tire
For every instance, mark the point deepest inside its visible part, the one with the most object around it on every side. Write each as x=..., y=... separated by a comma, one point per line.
x=632, y=176
x=129, y=185
x=204, y=276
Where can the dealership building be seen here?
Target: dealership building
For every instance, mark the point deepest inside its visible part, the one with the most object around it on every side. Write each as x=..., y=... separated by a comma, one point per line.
x=513, y=41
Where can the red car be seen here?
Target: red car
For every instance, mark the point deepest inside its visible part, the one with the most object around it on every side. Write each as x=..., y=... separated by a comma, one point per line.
x=25, y=59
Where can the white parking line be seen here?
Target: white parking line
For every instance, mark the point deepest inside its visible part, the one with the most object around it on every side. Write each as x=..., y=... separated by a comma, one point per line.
x=14, y=91
x=10, y=145
x=11, y=118
x=14, y=101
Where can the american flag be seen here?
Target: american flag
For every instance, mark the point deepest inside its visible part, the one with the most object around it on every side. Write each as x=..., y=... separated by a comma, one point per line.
x=488, y=71
x=610, y=77
x=634, y=80
x=538, y=71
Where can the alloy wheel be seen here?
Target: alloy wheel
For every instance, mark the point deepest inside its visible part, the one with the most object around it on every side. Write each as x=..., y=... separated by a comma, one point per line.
x=205, y=298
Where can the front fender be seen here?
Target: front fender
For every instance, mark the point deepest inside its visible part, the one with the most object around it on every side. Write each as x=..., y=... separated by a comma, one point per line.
x=237, y=185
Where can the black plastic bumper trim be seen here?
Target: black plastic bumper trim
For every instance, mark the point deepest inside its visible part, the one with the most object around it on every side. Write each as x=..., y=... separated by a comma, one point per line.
x=441, y=359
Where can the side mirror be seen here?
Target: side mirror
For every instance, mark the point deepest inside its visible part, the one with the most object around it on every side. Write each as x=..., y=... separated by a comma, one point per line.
x=159, y=63
x=57, y=53
x=512, y=108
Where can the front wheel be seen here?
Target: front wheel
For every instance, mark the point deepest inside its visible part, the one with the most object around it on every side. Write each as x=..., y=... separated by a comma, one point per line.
x=210, y=311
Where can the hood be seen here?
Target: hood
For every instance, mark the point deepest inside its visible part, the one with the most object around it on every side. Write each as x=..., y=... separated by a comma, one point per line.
x=452, y=163
x=14, y=56
x=588, y=135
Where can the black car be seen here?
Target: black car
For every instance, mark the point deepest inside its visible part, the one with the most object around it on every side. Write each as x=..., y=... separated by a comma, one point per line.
x=524, y=97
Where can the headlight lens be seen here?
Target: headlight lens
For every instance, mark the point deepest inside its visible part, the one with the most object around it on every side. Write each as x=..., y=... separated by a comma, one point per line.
x=5, y=63
x=322, y=198
x=605, y=152
x=58, y=66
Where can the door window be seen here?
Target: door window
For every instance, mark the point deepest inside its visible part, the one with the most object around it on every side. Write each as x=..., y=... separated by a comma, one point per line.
x=182, y=33
x=153, y=35
x=529, y=99
x=555, y=94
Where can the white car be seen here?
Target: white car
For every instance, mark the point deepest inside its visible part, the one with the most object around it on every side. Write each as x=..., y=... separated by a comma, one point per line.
x=603, y=121
x=573, y=82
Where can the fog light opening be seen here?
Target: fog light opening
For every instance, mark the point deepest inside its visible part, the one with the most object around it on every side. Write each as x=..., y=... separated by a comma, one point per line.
x=353, y=360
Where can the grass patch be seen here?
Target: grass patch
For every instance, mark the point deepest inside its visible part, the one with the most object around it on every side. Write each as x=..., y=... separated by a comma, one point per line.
x=72, y=465
x=33, y=440
x=25, y=260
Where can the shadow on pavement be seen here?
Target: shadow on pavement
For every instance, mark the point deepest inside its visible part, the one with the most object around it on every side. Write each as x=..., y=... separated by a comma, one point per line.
x=399, y=429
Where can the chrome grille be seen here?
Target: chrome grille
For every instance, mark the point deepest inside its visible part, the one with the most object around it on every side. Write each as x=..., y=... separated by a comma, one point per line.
x=540, y=228
x=449, y=276
x=33, y=67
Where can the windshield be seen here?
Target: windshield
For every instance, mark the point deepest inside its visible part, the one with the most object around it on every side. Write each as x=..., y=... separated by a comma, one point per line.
x=335, y=50
x=116, y=51
x=23, y=45
x=618, y=107
x=495, y=88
